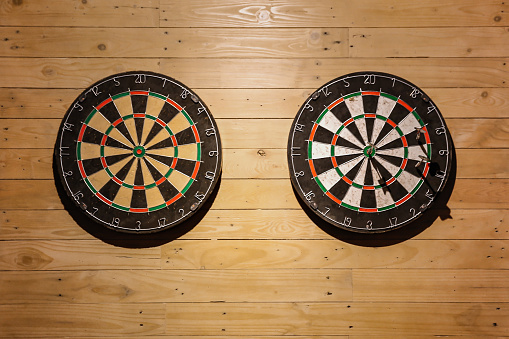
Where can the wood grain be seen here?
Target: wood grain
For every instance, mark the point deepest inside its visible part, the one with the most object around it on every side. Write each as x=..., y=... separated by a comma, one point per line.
x=254, y=194
x=173, y=42
x=368, y=319
x=254, y=224
x=123, y=13
x=260, y=254
x=408, y=42
x=41, y=103
x=64, y=319
x=412, y=285
x=330, y=13
x=256, y=133
x=29, y=163
x=159, y=286
x=257, y=73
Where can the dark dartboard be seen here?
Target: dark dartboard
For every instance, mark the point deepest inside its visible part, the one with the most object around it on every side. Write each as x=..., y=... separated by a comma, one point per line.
x=138, y=152
x=368, y=152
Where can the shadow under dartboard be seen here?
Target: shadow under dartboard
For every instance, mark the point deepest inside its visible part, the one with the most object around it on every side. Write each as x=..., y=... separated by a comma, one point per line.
x=132, y=240
x=438, y=209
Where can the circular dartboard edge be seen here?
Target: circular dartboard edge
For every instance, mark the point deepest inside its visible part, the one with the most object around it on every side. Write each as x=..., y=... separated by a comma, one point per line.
x=368, y=152
x=138, y=152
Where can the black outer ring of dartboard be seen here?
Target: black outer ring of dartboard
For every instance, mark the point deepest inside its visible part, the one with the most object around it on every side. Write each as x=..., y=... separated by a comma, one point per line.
x=308, y=205
x=59, y=170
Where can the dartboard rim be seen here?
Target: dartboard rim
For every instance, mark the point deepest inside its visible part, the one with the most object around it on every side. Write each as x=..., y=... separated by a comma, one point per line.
x=61, y=182
x=298, y=189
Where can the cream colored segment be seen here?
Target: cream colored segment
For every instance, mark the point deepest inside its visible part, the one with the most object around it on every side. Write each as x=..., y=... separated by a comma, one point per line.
x=361, y=126
x=393, y=170
x=99, y=123
x=409, y=124
x=160, y=136
x=131, y=127
x=124, y=105
x=395, y=152
x=178, y=123
x=99, y=179
x=165, y=152
x=90, y=151
x=115, y=134
x=162, y=168
x=154, y=106
x=383, y=197
x=178, y=180
x=391, y=136
x=124, y=197
x=347, y=166
x=353, y=196
x=339, y=151
x=330, y=122
x=109, y=151
x=329, y=178
x=355, y=105
x=347, y=135
x=318, y=150
x=415, y=151
x=154, y=197
x=116, y=167
x=385, y=106
x=377, y=128
x=147, y=176
x=408, y=181
x=129, y=179
x=189, y=151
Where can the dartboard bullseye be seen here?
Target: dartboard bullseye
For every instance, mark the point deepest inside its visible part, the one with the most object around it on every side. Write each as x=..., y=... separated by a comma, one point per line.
x=369, y=152
x=138, y=152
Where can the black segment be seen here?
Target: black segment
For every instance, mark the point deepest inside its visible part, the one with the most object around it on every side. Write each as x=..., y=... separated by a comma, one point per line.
x=168, y=142
x=323, y=135
x=168, y=112
x=92, y=166
x=113, y=159
x=139, y=199
x=138, y=123
x=370, y=103
x=167, y=190
x=110, y=190
x=185, y=166
x=162, y=159
x=156, y=175
x=139, y=103
x=185, y=136
x=156, y=129
x=110, y=112
x=122, y=173
x=322, y=165
x=138, y=178
x=368, y=199
x=370, y=124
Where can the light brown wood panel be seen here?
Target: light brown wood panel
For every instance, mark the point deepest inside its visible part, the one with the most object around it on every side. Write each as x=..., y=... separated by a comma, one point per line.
x=50, y=320
x=253, y=73
x=412, y=285
x=429, y=42
x=285, y=254
x=122, y=13
x=72, y=255
x=255, y=194
x=330, y=13
x=173, y=42
x=255, y=133
x=253, y=224
x=339, y=319
x=29, y=163
x=256, y=103
x=122, y=286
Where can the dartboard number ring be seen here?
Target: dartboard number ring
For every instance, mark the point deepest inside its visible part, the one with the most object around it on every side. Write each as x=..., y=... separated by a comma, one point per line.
x=369, y=152
x=138, y=152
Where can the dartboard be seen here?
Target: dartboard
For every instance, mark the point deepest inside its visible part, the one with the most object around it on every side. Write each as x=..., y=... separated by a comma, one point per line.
x=138, y=152
x=369, y=152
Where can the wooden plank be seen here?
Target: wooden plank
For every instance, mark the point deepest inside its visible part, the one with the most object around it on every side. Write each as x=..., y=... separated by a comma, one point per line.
x=74, y=320
x=70, y=255
x=256, y=133
x=146, y=286
x=173, y=42
x=286, y=254
x=330, y=13
x=115, y=13
x=45, y=103
x=255, y=194
x=29, y=163
x=256, y=73
x=389, y=285
x=476, y=42
x=253, y=224
x=338, y=319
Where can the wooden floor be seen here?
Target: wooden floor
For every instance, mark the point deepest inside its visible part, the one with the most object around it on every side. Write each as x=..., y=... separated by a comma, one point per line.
x=255, y=265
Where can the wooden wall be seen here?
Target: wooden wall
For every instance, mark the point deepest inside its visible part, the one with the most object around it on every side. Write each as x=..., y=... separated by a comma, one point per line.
x=256, y=265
